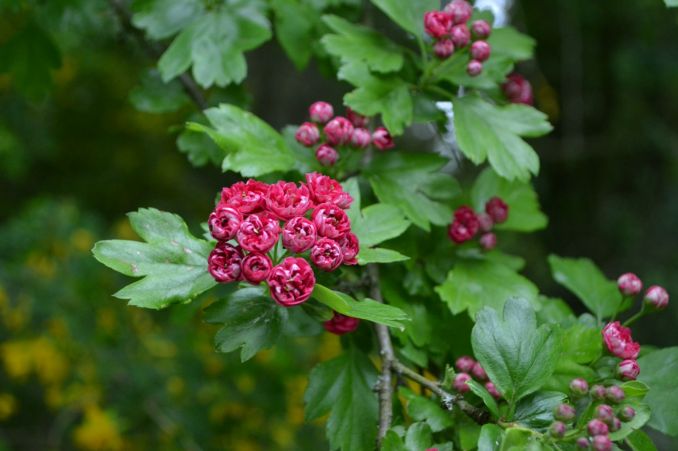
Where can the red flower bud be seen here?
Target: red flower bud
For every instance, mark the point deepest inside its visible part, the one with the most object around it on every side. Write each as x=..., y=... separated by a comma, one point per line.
x=325, y=189
x=307, y=134
x=286, y=200
x=326, y=155
x=598, y=392
x=459, y=10
x=437, y=24
x=443, y=48
x=245, y=197
x=564, y=412
x=657, y=297
x=619, y=341
x=224, y=263
x=601, y=443
x=321, y=112
x=460, y=36
x=579, y=386
x=341, y=324
x=597, y=427
x=338, y=131
x=358, y=120
x=474, y=68
x=627, y=413
x=629, y=284
x=497, y=209
x=256, y=268
x=465, y=225
x=480, y=51
x=628, y=370
x=298, y=235
x=382, y=139
x=492, y=389
x=224, y=222
x=615, y=394
x=361, y=138
x=258, y=233
x=464, y=364
x=488, y=241
x=615, y=424
x=583, y=443
x=460, y=384
x=481, y=29
x=291, y=282
x=485, y=222
x=517, y=89
x=330, y=221
x=557, y=429
x=478, y=372
x=349, y=248
x=604, y=413
x=326, y=254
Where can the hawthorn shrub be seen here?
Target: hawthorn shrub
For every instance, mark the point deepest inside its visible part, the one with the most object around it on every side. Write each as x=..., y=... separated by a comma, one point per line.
x=445, y=344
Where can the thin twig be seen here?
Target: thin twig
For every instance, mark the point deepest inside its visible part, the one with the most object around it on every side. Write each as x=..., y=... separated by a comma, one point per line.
x=154, y=51
x=385, y=385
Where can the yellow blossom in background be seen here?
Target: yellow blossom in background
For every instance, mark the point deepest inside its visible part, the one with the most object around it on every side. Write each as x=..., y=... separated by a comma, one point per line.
x=16, y=359
x=82, y=240
x=98, y=431
x=50, y=364
x=42, y=265
x=7, y=405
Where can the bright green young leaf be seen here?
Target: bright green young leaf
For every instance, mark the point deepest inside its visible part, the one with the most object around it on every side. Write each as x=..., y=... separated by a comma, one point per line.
x=583, y=278
x=199, y=148
x=351, y=187
x=418, y=437
x=524, y=212
x=491, y=437
x=474, y=284
x=536, y=410
x=658, y=370
x=509, y=42
x=252, y=147
x=389, y=96
x=402, y=179
x=639, y=420
x=420, y=408
x=486, y=397
x=164, y=18
x=250, y=319
x=392, y=442
x=369, y=255
x=580, y=343
x=378, y=223
x=519, y=439
x=172, y=261
x=635, y=389
x=367, y=309
x=639, y=440
x=295, y=21
x=356, y=43
x=342, y=387
x=490, y=132
x=671, y=3
x=407, y=13
x=214, y=44
x=152, y=95
x=517, y=355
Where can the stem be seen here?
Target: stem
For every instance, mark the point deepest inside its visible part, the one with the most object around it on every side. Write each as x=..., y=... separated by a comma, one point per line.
x=636, y=317
x=388, y=359
x=154, y=51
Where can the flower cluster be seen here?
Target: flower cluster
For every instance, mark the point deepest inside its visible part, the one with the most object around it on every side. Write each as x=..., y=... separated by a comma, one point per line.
x=517, y=89
x=466, y=223
x=341, y=324
x=308, y=218
x=607, y=414
x=451, y=30
x=352, y=131
x=620, y=343
x=470, y=369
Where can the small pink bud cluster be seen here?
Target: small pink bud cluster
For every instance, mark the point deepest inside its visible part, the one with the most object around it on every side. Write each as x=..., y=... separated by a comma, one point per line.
x=620, y=344
x=352, y=131
x=309, y=218
x=470, y=369
x=606, y=418
x=466, y=223
x=630, y=285
x=452, y=32
x=517, y=89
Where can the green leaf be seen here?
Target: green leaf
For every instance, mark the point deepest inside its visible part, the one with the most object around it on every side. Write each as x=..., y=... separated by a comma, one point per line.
x=418, y=437
x=214, y=44
x=199, y=148
x=250, y=319
x=173, y=261
x=581, y=344
x=635, y=389
x=639, y=440
x=402, y=179
x=252, y=147
x=294, y=25
x=369, y=255
x=524, y=212
x=509, y=42
x=378, y=223
x=420, y=408
x=155, y=96
x=367, y=309
x=671, y=3
x=389, y=96
x=491, y=437
x=474, y=284
x=342, y=387
x=639, y=420
x=358, y=44
x=658, y=370
x=392, y=442
x=408, y=14
x=352, y=187
x=494, y=71
x=583, y=278
x=485, y=396
x=536, y=410
x=487, y=131
x=517, y=355
x=164, y=18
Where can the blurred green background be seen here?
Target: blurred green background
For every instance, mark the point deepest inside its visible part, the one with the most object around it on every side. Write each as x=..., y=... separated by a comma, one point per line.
x=80, y=370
